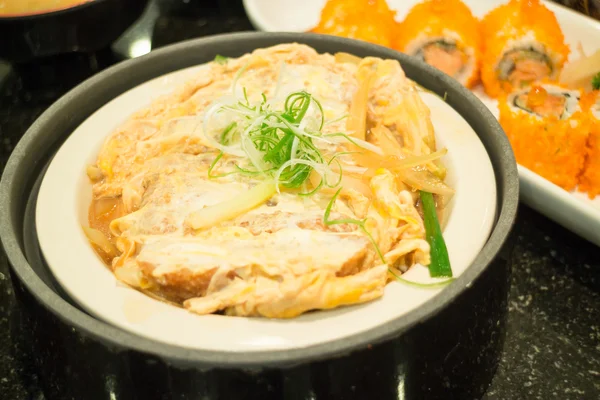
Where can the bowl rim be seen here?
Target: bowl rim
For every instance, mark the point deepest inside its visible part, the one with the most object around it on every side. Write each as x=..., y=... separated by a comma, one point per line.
x=174, y=57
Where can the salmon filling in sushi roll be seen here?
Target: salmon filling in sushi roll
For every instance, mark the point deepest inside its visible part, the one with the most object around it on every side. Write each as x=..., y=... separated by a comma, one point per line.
x=525, y=65
x=523, y=45
x=590, y=178
x=444, y=34
x=548, y=131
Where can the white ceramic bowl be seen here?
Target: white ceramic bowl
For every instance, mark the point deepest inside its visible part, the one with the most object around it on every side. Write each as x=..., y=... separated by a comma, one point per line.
x=65, y=195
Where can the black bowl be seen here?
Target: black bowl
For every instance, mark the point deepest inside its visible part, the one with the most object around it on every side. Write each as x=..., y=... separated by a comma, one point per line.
x=448, y=348
x=86, y=27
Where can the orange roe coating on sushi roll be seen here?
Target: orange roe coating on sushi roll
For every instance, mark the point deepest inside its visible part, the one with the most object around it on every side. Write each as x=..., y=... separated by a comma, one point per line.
x=443, y=18
x=507, y=24
x=590, y=178
x=368, y=20
x=552, y=147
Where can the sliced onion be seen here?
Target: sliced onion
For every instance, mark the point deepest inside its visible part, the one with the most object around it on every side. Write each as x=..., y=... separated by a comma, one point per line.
x=394, y=163
x=353, y=169
x=213, y=215
x=315, y=178
x=105, y=205
x=253, y=154
x=357, y=119
x=129, y=274
x=424, y=180
x=413, y=118
x=208, y=114
x=579, y=73
x=368, y=146
x=407, y=168
x=347, y=183
x=350, y=182
x=387, y=141
x=98, y=239
x=94, y=173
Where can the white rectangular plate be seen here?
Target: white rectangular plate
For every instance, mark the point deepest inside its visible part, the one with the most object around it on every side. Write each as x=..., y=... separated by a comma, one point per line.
x=573, y=210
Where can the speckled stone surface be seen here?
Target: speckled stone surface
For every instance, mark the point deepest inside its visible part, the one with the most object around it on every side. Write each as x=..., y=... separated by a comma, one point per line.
x=552, y=347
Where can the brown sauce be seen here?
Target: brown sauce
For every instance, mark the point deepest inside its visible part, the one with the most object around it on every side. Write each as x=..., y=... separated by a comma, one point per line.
x=101, y=213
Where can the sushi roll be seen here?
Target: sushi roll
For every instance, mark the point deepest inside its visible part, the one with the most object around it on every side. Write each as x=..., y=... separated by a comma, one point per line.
x=369, y=20
x=590, y=178
x=524, y=44
x=444, y=34
x=548, y=129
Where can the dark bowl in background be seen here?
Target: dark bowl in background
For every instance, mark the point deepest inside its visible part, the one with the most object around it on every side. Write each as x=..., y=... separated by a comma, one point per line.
x=448, y=348
x=86, y=27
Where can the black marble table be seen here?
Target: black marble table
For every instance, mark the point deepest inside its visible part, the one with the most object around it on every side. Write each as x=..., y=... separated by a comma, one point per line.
x=552, y=348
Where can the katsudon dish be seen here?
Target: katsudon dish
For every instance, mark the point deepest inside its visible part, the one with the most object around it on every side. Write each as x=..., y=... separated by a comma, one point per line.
x=273, y=184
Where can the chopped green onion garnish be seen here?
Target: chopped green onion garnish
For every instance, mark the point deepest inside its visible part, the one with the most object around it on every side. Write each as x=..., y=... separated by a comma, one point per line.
x=219, y=59
x=440, y=262
x=279, y=144
x=360, y=223
x=226, y=135
x=213, y=165
x=596, y=81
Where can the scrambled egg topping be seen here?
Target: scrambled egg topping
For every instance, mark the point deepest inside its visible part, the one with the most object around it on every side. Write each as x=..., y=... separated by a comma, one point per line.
x=279, y=259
